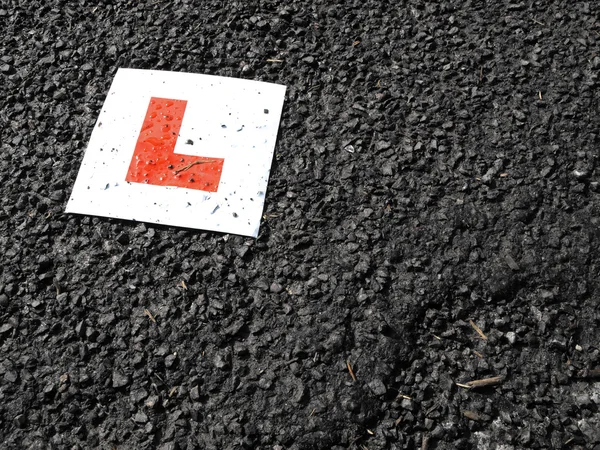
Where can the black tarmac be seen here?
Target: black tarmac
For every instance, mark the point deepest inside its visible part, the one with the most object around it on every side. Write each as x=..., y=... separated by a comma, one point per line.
x=432, y=220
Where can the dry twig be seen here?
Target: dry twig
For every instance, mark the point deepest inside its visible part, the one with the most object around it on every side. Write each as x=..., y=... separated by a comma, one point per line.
x=485, y=382
x=149, y=314
x=475, y=416
x=479, y=332
x=350, y=370
x=207, y=161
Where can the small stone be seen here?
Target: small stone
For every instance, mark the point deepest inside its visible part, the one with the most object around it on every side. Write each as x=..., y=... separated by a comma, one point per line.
x=350, y=405
x=20, y=421
x=583, y=399
x=519, y=115
x=221, y=361
x=123, y=238
x=11, y=376
x=106, y=319
x=171, y=360
x=382, y=145
x=580, y=174
x=525, y=437
x=80, y=329
x=511, y=336
x=438, y=432
x=37, y=304
x=429, y=423
x=276, y=288
x=265, y=383
x=5, y=68
x=406, y=403
x=152, y=401
x=377, y=387
x=138, y=395
x=262, y=25
x=168, y=446
x=234, y=328
x=59, y=95
x=57, y=196
x=140, y=417
x=195, y=393
x=49, y=389
x=309, y=60
x=299, y=394
x=44, y=263
x=387, y=169
x=120, y=380
x=558, y=343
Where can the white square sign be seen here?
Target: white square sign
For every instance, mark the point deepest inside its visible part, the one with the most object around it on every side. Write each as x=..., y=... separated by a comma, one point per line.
x=181, y=149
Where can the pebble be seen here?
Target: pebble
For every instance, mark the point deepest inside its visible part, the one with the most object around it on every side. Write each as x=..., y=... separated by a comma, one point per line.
x=511, y=336
x=120, y=380
x=276, y=288
x=170, y=360
x=20, y=421
x=195, y=393
x=140, y=418
x=378, y=387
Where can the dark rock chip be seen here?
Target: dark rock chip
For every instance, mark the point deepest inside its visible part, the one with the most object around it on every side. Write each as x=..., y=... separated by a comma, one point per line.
x=120, y=380
x=377, y=386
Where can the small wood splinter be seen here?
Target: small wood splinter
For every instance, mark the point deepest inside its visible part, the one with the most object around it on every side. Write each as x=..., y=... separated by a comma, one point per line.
x=478, y=330
x=350, y=370
x=485, y=382
x=149, y=314
x=193, y=164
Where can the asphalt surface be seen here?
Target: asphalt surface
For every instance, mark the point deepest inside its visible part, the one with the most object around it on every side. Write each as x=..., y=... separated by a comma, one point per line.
x=432, y=220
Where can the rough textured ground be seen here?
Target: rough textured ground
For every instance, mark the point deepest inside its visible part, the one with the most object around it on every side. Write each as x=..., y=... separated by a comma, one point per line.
x=437, y=163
